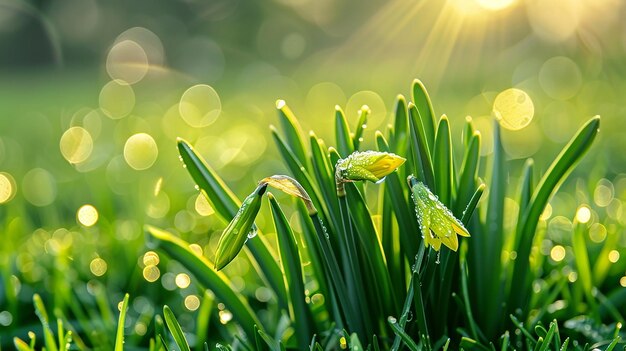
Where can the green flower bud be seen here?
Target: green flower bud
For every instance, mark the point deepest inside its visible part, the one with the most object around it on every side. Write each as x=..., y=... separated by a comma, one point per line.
x=367, y=165
x=236, y=233
x=437, y=223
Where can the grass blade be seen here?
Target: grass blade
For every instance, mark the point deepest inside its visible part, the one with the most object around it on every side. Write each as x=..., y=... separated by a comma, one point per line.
x=292, y=131
x=442, y=162
x=175, y=329
x=548, y=184
x=425, y=108
x=200, y=267
x=468, y=173
x=420, y=148
x=406, y=339
x=292, y=268
x=40, y=310
x=364, y=112
x=344, y=140
x=119, y=337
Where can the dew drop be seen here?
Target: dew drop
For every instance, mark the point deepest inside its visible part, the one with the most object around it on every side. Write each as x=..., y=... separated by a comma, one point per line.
x=253, y=232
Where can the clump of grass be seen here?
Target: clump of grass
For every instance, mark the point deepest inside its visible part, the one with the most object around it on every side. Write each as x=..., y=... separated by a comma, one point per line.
x=390, y=284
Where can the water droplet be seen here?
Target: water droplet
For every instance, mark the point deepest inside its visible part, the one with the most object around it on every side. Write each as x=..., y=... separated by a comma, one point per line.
x=438, y=257
x=409, y=317
x=253, y=232
x=197, y=187
x=364, y=126
x=392, y=320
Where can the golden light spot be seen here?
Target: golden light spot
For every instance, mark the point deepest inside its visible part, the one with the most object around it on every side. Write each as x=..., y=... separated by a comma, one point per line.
x=495, y=5
x=203, y=207
x=557, y=253
x=141, y=328
x=127, y=61
x=151, y=273
x=514, y=109
x=39, y=187
x=322, y=97
x=547, y=212
x=613, y=256
x=98, y=267
x=182, y=280
x=151, y=258
x=597, y=232
x=622, y=281
x=603, y=193
x=158, y=206
x=197, y=249
x=572, y=277
x=140, y=151
x=560, y=78
x=7, y=187
x=76, y=144
x=200, y=106
x=117, y=99
x=583, y=214
x=87, y=215
x=225, y=316
x=192, y=302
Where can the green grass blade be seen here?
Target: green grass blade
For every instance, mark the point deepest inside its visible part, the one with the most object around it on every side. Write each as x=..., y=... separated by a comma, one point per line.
x=119, y=337
x=175, y=329
x=362, y=220
x=406, y=339
x=324, y=175
x=342, y=131
x=420, y=149
x=488, y=246
x=425, y=108
x=292, y=268
x=548, y=184
x=398, y=204
x=442, y=162
x=226, y=205
x=400, y=141
x=203, y=319
x=468, y=173
x=200, y=267
x=20, y=345
x=525, y=195
x=579, y=245
x=40, y=310
x=292, y=131
x=548, y=338
x=364, y=112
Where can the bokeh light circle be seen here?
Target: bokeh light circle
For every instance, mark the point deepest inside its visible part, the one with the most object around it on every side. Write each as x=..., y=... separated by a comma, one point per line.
x=39, y=187
x=87, y=215
x=76, y=145
x=7, y=187
x=514, y=109
x=98, y=266
x=200, y=105
x=140, y=151
x=560, y=78
x=127, y=61
x=117, y=99
x=376, y=104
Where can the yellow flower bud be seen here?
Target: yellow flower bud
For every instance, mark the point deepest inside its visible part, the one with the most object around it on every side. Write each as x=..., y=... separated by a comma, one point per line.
x=437, y=223
x=367, y=165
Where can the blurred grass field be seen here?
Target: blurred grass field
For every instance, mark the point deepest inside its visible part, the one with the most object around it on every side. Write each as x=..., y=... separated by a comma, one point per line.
x=72, y=134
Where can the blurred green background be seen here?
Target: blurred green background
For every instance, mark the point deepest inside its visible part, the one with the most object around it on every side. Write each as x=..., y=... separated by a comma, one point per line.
x=93, y=95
